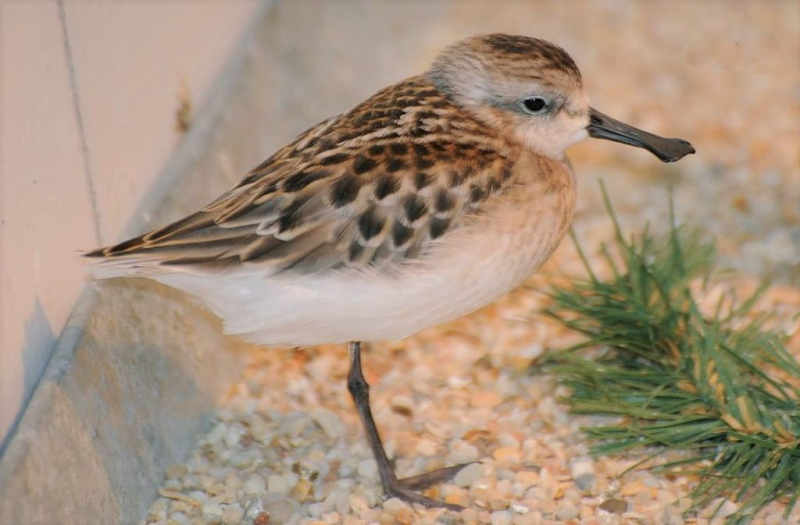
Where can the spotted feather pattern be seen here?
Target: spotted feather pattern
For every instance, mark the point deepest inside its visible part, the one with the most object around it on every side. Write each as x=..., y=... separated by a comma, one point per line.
x=377, y=185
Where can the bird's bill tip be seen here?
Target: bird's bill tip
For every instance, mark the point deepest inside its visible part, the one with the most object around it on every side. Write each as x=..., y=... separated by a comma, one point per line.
x=667, y=150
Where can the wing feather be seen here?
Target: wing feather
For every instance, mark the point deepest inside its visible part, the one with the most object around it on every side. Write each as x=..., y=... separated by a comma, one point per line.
x=375, y=186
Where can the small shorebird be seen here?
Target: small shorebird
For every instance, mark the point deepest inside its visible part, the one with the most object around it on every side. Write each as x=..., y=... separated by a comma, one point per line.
x=427, y=201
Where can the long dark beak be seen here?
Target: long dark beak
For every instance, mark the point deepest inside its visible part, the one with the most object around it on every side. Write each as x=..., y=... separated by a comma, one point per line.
x=668, y=150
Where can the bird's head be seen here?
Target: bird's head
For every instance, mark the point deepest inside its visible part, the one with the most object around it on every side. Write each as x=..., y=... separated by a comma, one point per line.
x=532, y=90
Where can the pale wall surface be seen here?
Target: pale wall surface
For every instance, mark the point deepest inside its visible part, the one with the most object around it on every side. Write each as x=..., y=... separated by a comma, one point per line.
x=88, y=99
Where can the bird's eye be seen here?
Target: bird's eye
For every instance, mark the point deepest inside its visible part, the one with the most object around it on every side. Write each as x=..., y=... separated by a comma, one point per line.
x=534, y=104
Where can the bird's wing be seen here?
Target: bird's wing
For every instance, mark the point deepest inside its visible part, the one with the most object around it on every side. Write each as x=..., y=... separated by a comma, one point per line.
x=370, y=187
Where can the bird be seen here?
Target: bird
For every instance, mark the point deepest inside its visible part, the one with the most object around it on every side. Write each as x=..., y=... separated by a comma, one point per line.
x=429, y=200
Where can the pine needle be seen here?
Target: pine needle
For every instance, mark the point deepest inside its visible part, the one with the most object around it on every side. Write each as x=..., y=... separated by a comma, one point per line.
x=681, y=378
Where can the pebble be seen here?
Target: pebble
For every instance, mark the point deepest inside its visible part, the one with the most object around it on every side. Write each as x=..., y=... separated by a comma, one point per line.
x=212, y=507
x=469, y=475
x=502, y=517
x=719, y=508
x=614, y=506
x=633, y=488
x=583, y=473
x=198, y=496
x=217, y=434
x=485, y=399
x=330, y=423
x=394, y=505
x=426, y=447
x=357, y=503
x=368, y=468
x=241, y=461
x=533, y=518
x=507, y=454
x=232, y=515
x=341, y=502
x=177, y=518
x=281, y=484
x=405, y=517
x=469, y=515
x=280, y=511
x=254, y=485
x=498, y=504
x=567, y=511
x=176, y=471
x=262, y=518
x=158, y=510
x=232, y=436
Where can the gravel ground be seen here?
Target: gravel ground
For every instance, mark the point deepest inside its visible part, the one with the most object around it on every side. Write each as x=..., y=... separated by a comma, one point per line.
x=287, y=446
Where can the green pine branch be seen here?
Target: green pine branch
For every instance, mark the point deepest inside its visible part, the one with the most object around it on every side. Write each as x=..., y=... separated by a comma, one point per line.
x=717, y=384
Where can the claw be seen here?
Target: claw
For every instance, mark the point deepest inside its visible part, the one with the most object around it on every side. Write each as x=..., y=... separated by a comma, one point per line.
x=427, y=479
x=400, y=492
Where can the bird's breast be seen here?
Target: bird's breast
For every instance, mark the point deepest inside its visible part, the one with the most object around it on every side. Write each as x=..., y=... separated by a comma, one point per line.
x=516, y=233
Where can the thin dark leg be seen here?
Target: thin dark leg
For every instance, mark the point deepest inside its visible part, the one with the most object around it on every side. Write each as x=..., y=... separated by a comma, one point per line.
x=400, y=488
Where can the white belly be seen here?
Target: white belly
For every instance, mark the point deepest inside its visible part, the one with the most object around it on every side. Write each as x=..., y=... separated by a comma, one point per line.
x=470, y=268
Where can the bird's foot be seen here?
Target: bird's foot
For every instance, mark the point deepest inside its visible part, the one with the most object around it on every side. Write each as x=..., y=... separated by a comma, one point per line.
x=403, y=489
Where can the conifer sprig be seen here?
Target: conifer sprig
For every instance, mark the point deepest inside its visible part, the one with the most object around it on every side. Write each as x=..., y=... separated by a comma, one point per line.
x=715, y=383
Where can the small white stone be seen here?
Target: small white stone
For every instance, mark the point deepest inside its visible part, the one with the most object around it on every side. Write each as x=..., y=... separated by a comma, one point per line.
x=176, y=471
x=158, y=510
x=232, y=515
x=241, y=461
x=329, y=422
x=254, y=485
x=280, y=511
x=191, y=481
x=583, y=474
x=368, y=468
x=332, y=517
x=638, y=516
x=776, y=518
x=518, y=508
x=277, y=484
x=426, y=447
x=468, y=475
x=502, y=517
x=508, y=440
x=464, y=454
x=532, y=518
x=727, y=508
x=216, y=434
x=212, y=507
x=177, y=518
x=567, y=511
x=198, y=495
x=174, y=484
x=317, y=509
x=206, y=482
x=394, y=505
x=232, y=436
x=357, y=503
x=198, y=465
x=259, y=428
x=341, y=503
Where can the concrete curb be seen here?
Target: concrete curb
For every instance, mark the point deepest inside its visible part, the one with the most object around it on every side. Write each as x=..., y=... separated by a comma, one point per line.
x=138, y=369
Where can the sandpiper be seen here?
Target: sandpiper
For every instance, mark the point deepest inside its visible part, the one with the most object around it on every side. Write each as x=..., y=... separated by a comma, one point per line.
x=427, y=201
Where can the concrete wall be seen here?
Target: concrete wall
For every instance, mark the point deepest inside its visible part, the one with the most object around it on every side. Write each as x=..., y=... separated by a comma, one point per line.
x=89, y=93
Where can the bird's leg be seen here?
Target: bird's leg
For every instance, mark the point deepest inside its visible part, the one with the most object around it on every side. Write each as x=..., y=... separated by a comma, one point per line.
x=392, y=487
